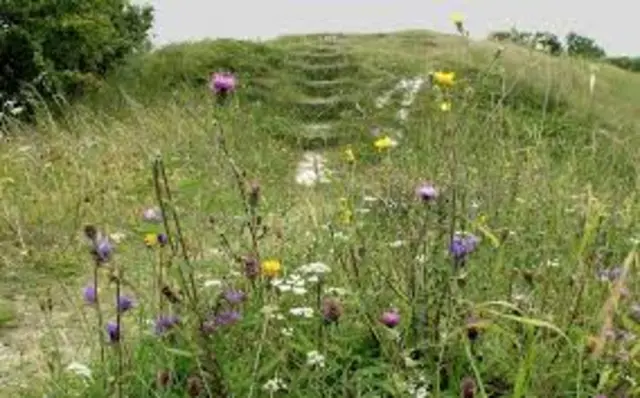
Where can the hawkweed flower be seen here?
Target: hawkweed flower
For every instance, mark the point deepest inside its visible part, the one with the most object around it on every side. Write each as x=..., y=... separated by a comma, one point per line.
x=234, y=296
x=390, y=318
x=271, y=268
x=331, y=310
x=150, y=240
x=222, y=83
x=124, y=304
x=444, y=79
x=165, y=323
x=349, y=156
x=113, y=332
x=152, y=215
x=251, y=267
x=90, y=295
x=384, y=143
x=427, y=192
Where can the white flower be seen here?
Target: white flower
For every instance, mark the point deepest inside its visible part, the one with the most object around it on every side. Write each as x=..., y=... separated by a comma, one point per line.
x=314, y=358
x=274, y=385
x=80, y=369
x=305, y=312
x=338, y=291
x=299, y=291
x=213, y=283
x=288, y=332
x=317, y=268
x=313, y=279
x=117, y=237
x=397, y=243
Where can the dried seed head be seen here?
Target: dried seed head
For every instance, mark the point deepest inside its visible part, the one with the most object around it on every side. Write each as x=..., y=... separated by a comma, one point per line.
x=163, y=378
x=194, y=386
x=467, y=388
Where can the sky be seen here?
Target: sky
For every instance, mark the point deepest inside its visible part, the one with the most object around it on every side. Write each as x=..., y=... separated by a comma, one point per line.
x=608, y=22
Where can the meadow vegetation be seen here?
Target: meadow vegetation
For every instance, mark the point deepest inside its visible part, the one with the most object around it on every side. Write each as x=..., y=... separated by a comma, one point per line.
x=477, y=238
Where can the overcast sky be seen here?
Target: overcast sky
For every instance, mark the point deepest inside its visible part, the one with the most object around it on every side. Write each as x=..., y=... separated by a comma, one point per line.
x=609, y=22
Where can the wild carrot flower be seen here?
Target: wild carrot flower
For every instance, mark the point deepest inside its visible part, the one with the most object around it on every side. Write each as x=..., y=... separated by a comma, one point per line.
x=427, y=192
x=390, y=318
x=271, y=268
x=113, y=332
x=124, y=304
x=444, y=79
x=166, y=323
x=222, y=83
x=90, y=295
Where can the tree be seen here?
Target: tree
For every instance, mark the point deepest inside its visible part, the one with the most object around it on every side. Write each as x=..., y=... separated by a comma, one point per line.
x=583, y=46
x=65, y=46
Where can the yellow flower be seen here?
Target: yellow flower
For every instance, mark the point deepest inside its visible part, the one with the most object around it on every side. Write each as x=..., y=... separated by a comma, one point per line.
x=346, y=215
x=445, y=106
x=446, y=79
x=349, y=155
x=271, y=268
x=150, y=240
x=383, y=143
x=457, y=18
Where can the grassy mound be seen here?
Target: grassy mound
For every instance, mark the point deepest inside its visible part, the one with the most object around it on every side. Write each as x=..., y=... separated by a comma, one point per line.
x=542, y=171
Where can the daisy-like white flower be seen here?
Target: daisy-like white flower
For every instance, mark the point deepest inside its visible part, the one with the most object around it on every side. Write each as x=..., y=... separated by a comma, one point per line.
x=314, y=358
x=304, y=312
x=274, y=385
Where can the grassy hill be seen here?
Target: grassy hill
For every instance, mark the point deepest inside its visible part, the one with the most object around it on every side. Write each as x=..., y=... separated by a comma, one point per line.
x=540, y=169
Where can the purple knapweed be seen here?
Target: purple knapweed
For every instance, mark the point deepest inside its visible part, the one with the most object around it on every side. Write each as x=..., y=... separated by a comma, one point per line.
x=462, y=245
x=90, y=294
x=226, y=318
x=102, y=250
x=426, y=192
x=234, y=296
x=124, y=304
x=113, y=332
x=166, y=323
x=163, y=239
x=222, y=83
x=390, y=318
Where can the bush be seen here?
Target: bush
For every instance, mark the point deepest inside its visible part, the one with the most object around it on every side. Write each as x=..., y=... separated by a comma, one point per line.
x=66, y=47
x=582, y=46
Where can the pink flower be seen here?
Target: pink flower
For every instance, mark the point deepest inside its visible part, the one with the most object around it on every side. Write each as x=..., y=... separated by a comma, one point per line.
x=222, y=83
x=390, y=318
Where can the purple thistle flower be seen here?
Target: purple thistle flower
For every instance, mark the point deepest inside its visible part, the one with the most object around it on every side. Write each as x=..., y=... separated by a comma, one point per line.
x=390, y=318
x=90, y=295
x=234, y=296
x=226, y=318
x=222, y=83
x=124, y=304
x=166, y=323
x=163, y=239
x=113, y=331
x=462, y=245
x=427, y=192
x=102, y=250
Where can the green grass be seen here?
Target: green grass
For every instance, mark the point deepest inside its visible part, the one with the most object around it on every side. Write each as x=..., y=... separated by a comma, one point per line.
x=543, y=172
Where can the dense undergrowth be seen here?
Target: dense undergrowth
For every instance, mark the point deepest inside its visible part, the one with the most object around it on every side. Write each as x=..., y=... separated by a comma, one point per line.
x=509, y=272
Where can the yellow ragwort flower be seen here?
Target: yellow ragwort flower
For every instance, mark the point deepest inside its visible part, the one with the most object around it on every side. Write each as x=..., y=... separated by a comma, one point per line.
x=346, y=215
x=349, y=155
x=383, y=143
x=150, y=240
x=271, y=268
x=445, y=79
x=457, y=18
x=445, y=106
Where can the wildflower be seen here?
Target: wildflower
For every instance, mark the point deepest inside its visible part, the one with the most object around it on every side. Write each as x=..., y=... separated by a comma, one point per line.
x=336, y=291
x=274, y=385
x=314, y=358
x=349, y=155
x=445, y=106
x=166, y=323
x=113, y=332
x=462, y=245
x=101, y=250
x=390, y=318
x=152, y=215
x=331, y=310
x=163, y=378
x=287, y=332
x=234, y=296
x=427, y=192
x=150, y=240
x=384, y=143
x=444, y=79
x=222, y=83
x=124, y=304
x=304, y=312
x=195, y=386
x=79, y=369
x=251, y=267
x=162, y=239
x=271, y=268
x=467, y=388
x=90, y=295
x=227, y=318
x=213, y=283
x=315, y=268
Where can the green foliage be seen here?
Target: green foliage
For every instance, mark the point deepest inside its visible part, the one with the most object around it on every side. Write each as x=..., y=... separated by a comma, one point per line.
x=583, y=46
x=628, y=63
x=65, y=47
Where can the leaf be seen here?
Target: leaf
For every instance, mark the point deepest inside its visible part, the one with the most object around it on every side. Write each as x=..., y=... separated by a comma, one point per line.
x=179, y=353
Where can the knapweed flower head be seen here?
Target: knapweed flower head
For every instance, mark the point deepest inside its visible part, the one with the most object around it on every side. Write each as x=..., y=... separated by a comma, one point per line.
x=90, y=294
x=462, y=244
x=165, y=323
x=384, y=143
x=227, y=318
x=390, y=318
x=162, y=238
x=271, y=268
x=234, y=296
x=152, y=215
x=251, y=267
x=222, y=83
x=331, y=310
x=124, y=304
x=102, y=250
x=468, y=388
x=426, y=192
x=113, y=332
x=444, y=79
